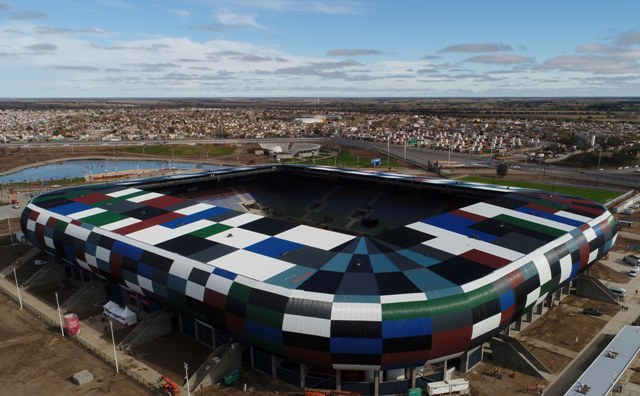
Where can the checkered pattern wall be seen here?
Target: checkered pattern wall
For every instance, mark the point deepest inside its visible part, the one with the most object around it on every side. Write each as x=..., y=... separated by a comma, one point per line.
x=429, y=290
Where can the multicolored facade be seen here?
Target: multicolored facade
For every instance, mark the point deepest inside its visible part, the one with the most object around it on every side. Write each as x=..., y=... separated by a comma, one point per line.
x=425, y=292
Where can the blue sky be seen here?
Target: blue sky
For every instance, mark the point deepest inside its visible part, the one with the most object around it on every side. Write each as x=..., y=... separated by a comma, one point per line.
x=319, y=48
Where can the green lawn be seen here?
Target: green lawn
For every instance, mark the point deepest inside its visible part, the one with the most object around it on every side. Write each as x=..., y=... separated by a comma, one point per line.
x=348, y=160
x=179, y=150
x=594, y=194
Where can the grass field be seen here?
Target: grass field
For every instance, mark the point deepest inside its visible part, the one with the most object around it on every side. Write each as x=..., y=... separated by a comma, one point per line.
x=594, y=194
x=348, y=159
x=178, y=150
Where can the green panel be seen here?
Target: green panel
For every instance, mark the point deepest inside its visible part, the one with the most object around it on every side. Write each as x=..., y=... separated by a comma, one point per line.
x=103, y=218
x=530, y=225
x=61, y=226
x=550, y=204
x=264, y=316
x=267, y=345
x=120, y=199
x=178, y=299
x=240, y=292
x=545, y=288
x=429, y=308
x=482, y=295
x=210, y=230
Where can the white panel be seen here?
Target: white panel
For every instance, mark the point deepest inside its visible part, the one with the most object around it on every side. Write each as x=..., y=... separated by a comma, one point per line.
x=532, y=297
x=573, y=216
x=566, y=265
x=219, y=284
x=315, y=237
x=308, y=295
x=181, y=268
x=31, y=225
x=191, y=227
x=189, y=210
x=307, y=325
x=356, y=311
x=488, y=210
x=124, y=192
x=145, y=283
x=154, y=235
x=86, y=213
x=486, y=325
x=43, y=217
x=77, y=232
x=102, y=253
x=409, y=297
x=84, y=265
x=544, y=271
x=241, y=219
x=145, y=197
x=120, y=223
x=49, y=242
x=134, y=287
x=251, y=265
x=91, y=260
x=238, y=238
x=592, y=256
x=195, y=290
x=590, y=234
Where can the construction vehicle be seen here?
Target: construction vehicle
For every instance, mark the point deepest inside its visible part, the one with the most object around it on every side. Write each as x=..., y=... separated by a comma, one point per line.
x=328, y=392
x=169, y=387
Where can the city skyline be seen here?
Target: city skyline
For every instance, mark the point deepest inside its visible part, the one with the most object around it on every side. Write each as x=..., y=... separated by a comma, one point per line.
x=325, y=48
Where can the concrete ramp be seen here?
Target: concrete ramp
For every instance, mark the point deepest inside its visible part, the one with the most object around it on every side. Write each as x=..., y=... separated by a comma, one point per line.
x=222, y=360
x=153, y=325
x=590, y=287
x=512, y=354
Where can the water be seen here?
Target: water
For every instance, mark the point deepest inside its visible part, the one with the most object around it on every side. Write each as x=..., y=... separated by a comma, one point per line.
x=80, y=168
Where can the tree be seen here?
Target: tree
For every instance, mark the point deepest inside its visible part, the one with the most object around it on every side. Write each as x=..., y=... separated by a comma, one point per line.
x=502, y=169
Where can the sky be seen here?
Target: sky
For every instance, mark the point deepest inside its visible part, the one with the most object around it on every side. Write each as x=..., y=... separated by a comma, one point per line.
x=319, y=48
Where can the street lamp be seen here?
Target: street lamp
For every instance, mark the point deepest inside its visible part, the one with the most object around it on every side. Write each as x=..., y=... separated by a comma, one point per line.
x=598, y=171
x=113, y=341
x=186, y=371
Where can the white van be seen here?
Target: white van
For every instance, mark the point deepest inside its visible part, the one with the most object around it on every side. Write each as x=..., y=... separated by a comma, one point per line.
x=634, y=271
x=618, y=291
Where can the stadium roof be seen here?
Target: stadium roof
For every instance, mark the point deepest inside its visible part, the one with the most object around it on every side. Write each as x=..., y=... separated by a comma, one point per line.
x=441, y=284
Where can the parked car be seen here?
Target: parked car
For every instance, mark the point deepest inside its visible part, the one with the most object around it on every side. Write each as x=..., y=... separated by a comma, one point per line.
x=634, y=271
x=16, y=206
x=592, y=312
x=39, y=262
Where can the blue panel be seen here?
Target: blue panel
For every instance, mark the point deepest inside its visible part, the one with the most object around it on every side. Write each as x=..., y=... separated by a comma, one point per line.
x=362, y=246
x=507, y=299
x=450, y=222
x=145, y=270
x=127, y=250
x=90, y=248
x=574, y=269
x=291, y=278
x=273, y=247
x=160, y=289
x=192, y=218
x=176, y=283
x=421, y=259
x=225, y=274
x=529, y=270
x=364, y=346
x=406, y=327
x=259, y=330
x=381, y=263
x=338, y=263
x=71, y=208
x=68, y=251
x=428, y=280
x=356, y=299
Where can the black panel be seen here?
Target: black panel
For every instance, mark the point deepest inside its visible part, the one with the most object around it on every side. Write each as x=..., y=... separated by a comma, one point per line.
x=268, y=226
x=354, y=359
x=313, y=308
x=272, y=301
x=199, y=276
x=145, y=212
x=451, y=321
x=362, y=284
x=395, y=283
x=485, y=310
x=322, y=282
x=359, y=263
x=213, y=252
x=185, y=245
x=460, y=270
x=155, y=260
x=160, y=276
x=406, y=344
x=305, y=341
x=403, y=237
x=308, y=257
x=130, y=265
x=403, y=263
x=235, y=306
x=356, y=329
x=507, y=201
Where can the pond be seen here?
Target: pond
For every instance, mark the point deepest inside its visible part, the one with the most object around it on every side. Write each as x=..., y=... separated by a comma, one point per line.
x=79, y=168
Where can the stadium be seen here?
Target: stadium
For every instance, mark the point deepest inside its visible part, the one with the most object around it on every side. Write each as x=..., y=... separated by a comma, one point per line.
x=344, y=277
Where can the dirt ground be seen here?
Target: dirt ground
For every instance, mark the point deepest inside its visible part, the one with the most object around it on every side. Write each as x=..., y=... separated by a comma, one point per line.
x=36, y=360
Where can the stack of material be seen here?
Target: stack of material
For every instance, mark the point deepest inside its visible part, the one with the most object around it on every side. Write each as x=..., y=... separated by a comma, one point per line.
x=82, y=377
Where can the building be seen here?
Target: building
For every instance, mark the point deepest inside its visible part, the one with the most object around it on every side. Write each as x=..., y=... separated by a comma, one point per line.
x=358, y=311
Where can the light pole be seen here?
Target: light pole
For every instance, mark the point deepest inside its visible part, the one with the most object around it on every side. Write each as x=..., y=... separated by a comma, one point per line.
x=598, y=171
x=10, y=232
x=59, y=314
x=17, y=286
x=113, y=341
x=186, y=372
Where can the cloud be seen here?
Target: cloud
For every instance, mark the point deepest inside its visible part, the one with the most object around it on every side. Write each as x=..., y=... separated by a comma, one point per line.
x=477, y=47
x=42, y=47
x=184, y=14
x=74, y=68
x=52, y=30
x=145, y=47
x=238, y=20
x=117, y=4
x=628, y=39
x=27, y=15
x=255, y=58
x=590, y=64
x=154, y=67
x=320, y=69
x=332, y=7
x=4, y=7
x=501, y=59
x=353, y=52
x=431, y=57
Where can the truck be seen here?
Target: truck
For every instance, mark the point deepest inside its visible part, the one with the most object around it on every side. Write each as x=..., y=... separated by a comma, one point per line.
x=632, y=260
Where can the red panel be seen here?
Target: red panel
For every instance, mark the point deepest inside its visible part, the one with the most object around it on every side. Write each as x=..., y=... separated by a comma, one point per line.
x=234, y=322
x=33, y=215
x=309, y=356
x=76, y=223
x=40, y=235
x=486, y=259
x=467, y=215
x=92, y=198
x=148, y=223
x=542, y=208
x=164, y=201
x=516, y=278
x=588, y=209
x=418, y=356
x=584, y=255
x=115, y=264
x=507, y=315
x=215, y=299
x=450, y=342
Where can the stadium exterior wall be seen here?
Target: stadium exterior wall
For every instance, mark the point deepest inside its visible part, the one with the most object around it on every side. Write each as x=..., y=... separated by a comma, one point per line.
x=357, y=331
